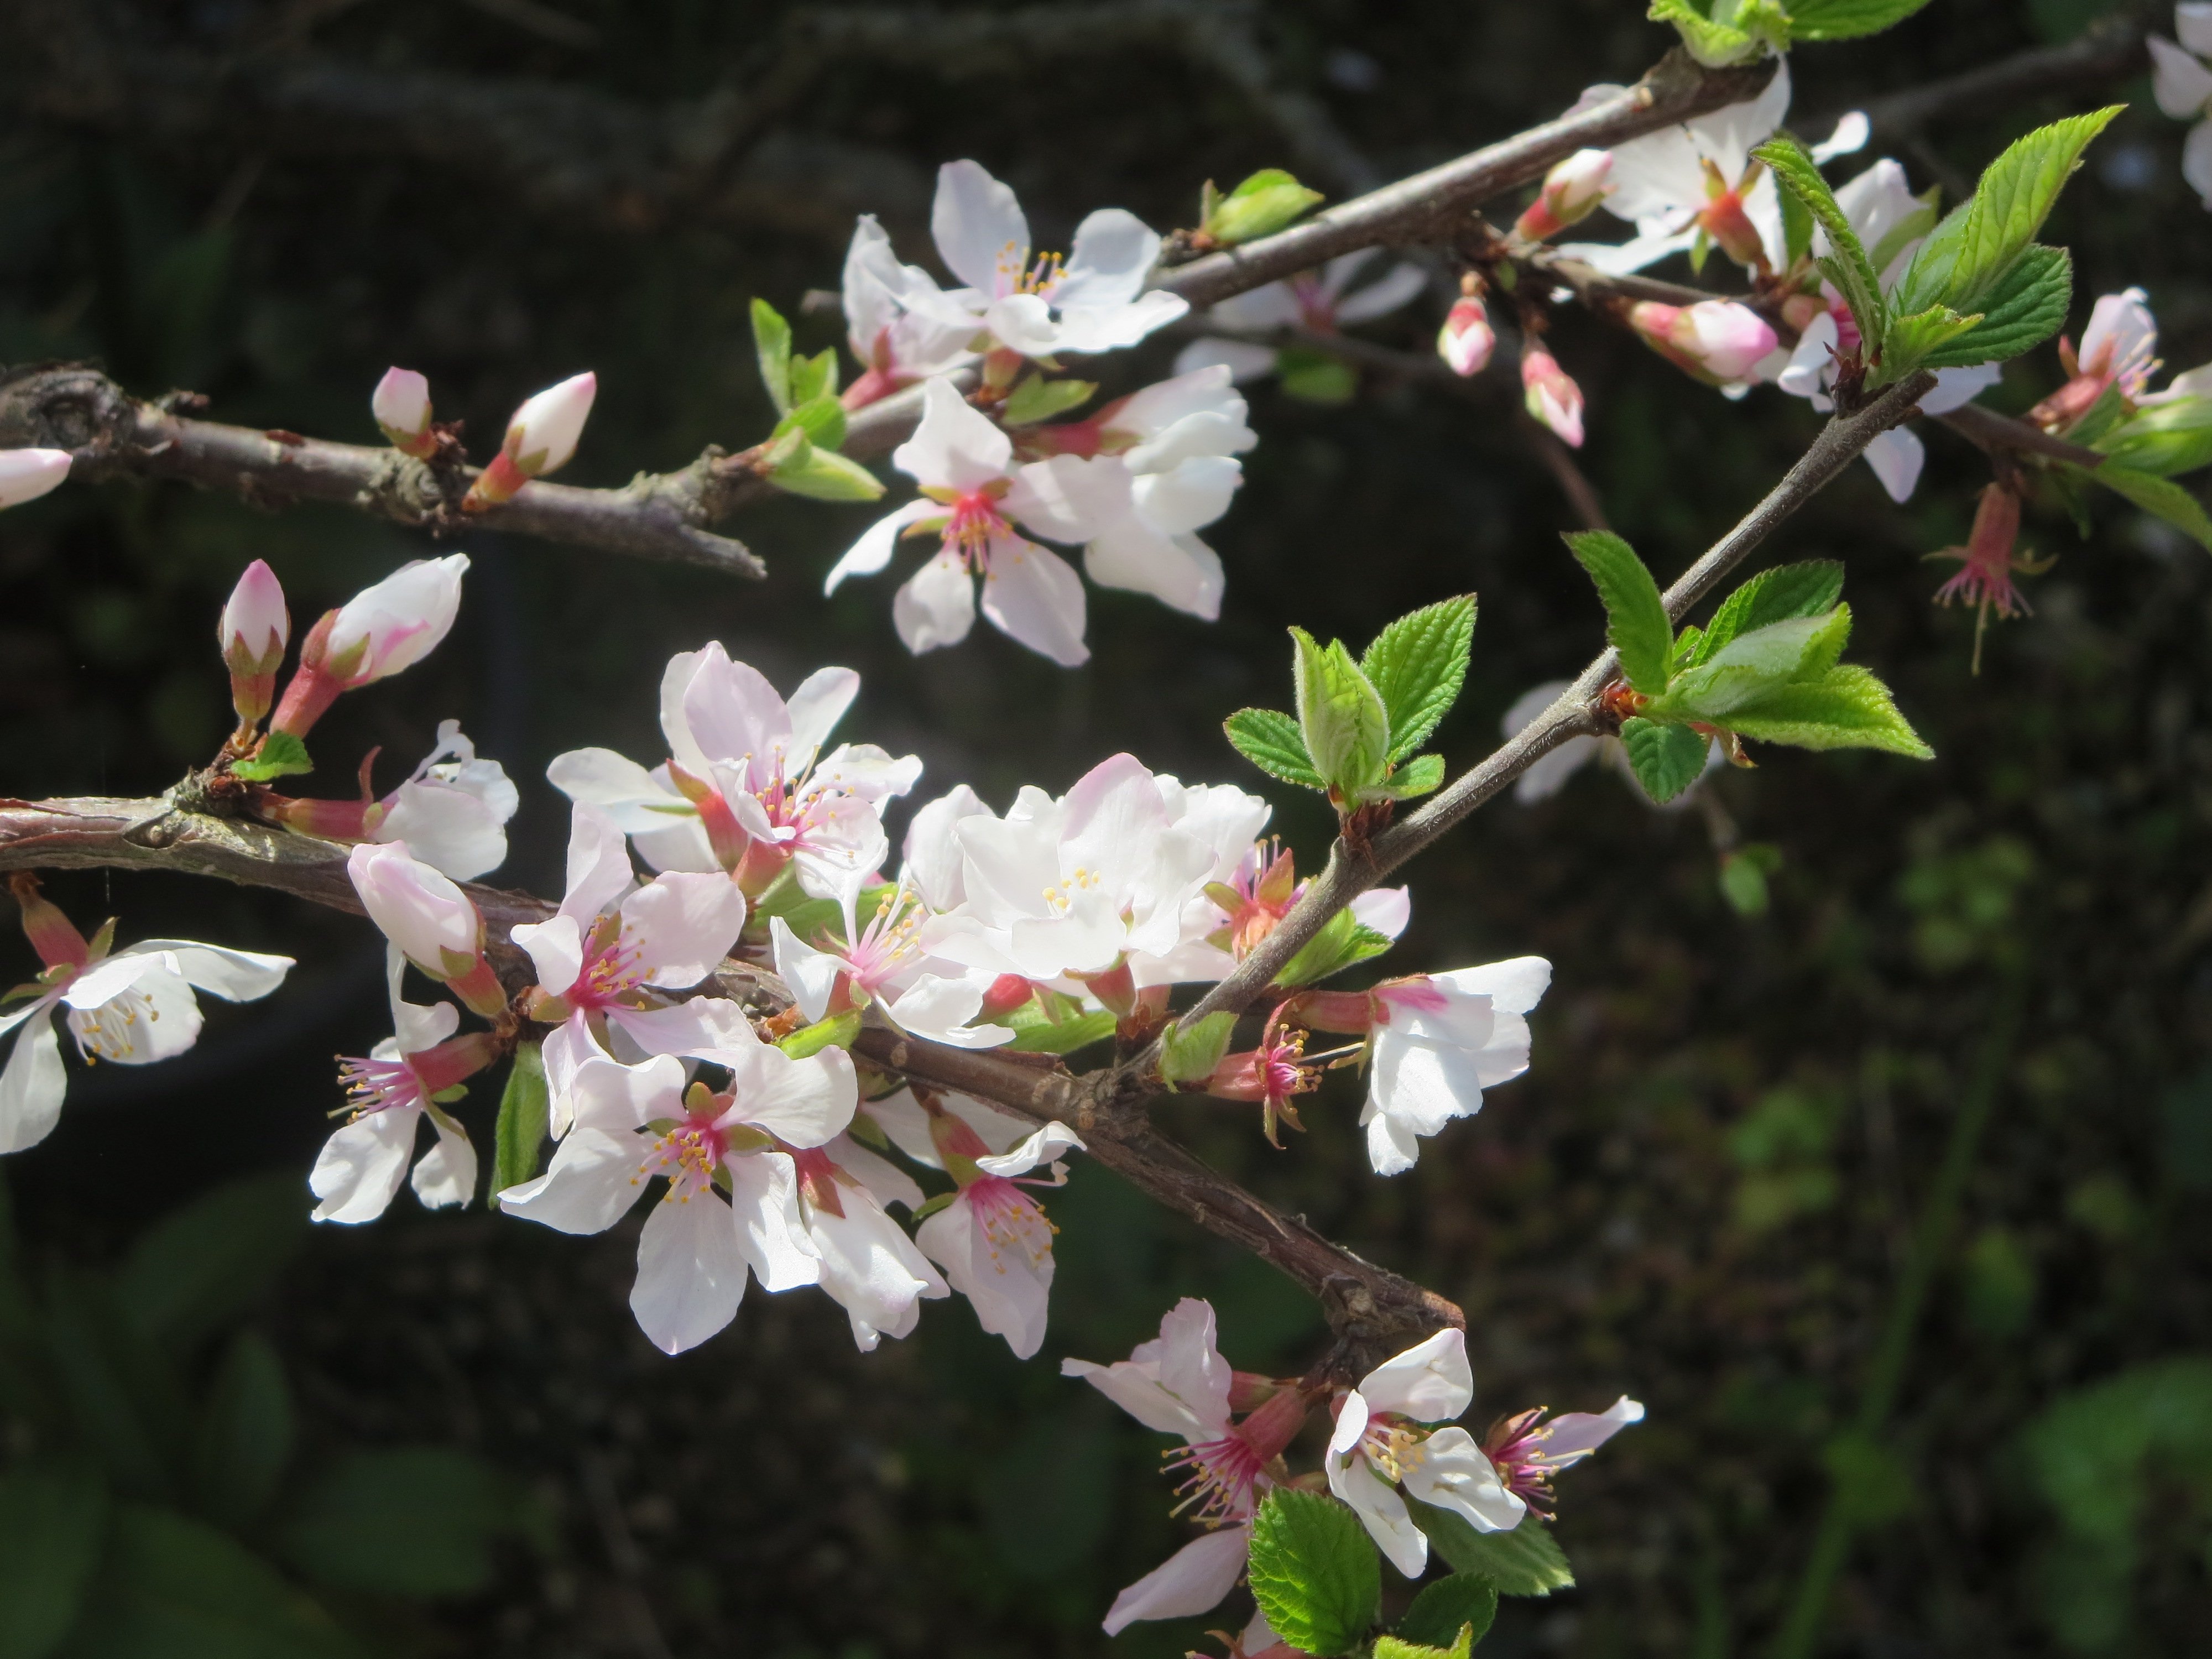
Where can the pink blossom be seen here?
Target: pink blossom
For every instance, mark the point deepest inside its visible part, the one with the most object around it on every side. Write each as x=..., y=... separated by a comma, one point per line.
x=27, y=474
x=1572, y=190
x=1467, y=339
x=1718, y=340
x=401, y=404
x=541, y=436
x=1553, y=396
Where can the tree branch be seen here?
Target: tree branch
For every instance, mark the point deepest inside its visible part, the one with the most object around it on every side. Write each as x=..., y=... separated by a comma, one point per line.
x=111, y=434
x=2109, y=50
x=1369, y=1307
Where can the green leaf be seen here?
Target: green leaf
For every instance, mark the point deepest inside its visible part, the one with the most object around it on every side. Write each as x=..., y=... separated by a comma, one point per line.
x=1448, y=1606
x=1847, y=708
x=1340, y=717
x=772, y=346
x=1636, y=616
x=812, y=378
x=1914, y=339
x=525, y=1113
x=1666, y=759
x=1270, y=740
x=2161, y=497
x=1417, y=666
x=1846, y=19
x=1743, y=875
x=1039, y=399
x=1526, y=1561
x=1808, y=589
x=1188, y=1055
x=1976, y=244
x=1270, y=199
x=51, y=1524
x=203, y=1265
x=410, y=1521
x=1064, y=1036
x=2164, y=439
x=1423, y=775
x=1313, y=376
x=821, y=419
x=1396, y=1647
x=281, y=756
x=245, y=1430
x=2024, y=307
x=1754, y=664
x=1314, y=1572
x=1342, y=942
x=1716, y=45
x=821, y=476
x=178, y=1588
x=1850, y=270
x=838, y=1030
x=1796, y=229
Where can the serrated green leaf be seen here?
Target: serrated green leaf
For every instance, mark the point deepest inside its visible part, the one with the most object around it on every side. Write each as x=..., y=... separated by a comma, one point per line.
x=1342, y=943
x=1914, y=339
x=1846, y=19
x=281, y=756
x=2164, y=439
x=1972, y=249
x=1345, y=728
x=1396, y=1647
x=1525, y=1561
x=524, y=1115
x=2024, y=307
x=53, y=1520
x=1423, y=775
x=1270, y=199
x=1716, y=45
x=1850, y=270
x=1796, y=227
x=1314, y=1570
x=1636, y=616
x=1810, y=588
x=1417, y=666
x=1448, y=1606
x=821, y=418
x=814, y=377
x=1187, y=1055
x=1269, y=739
x=1039, y=399
x=2161, y=497
x=1847, y=708
x=772, y=347
x=1666, y=759
x=822, y=476
x=1754, y=663
x=838, y=1031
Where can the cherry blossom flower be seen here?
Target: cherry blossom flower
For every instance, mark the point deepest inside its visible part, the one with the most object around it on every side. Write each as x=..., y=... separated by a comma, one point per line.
x=452, y=811
x=1178, y=1383
x=633, y=1122
x=401, y=403
x=1552, y=397
x=2119, y=348
x=869, y=1266
x=1573, y=189
x=1384, y=1443
x=1038, y=305
x=252, y=633
x=1467, y=340
x=1527, y=1451
x=2182, y=84
x=1316, y=301
x=885, y=963
x=746, y=788
x=1252, y=900
x=378, y=632
x=896, y=343
x=432, y=921
x=390, y=1091
x=541, y=437
x=1717, y=341
x=1272, y=1075
x=974, y=496
x=131, y=1008
x=27, y=474
x=992, y=1238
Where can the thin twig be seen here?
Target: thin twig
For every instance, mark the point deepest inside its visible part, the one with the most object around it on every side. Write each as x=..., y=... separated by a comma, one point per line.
x=2109, y=50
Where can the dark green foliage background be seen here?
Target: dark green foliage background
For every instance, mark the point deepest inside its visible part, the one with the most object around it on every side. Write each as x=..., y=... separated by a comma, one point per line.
x=1700, y=1195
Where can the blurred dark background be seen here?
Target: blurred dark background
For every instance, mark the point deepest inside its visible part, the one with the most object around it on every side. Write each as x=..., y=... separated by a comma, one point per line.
x=1704, y=1193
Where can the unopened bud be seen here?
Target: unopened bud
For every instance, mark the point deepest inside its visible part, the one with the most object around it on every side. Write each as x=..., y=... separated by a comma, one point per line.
x=253, y=632
x=540, y=438
x=434, y=923
x=380, y=630
x=1571, y=192
x=401, y=404
x=27, y=474
x=1467, y=339
x=1718, y=340
x=1553, y=396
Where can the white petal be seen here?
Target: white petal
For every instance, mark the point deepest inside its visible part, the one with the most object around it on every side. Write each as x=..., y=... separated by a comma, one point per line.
x=683, y=925
x=1851, y=136
x=2192, y=22
x=32, y=1087
x=937, y=605
x=361, y=1166
x=819, y=703
x=1180, y=571
x=956, y=447
x=1393, y=1148
x=1896, y=457
x=1398, y=285
x=1024, y=322
x=885, y=1181
x=446, y=1175
x=555, y=950
x=1573, y=1433
x=153, y=1017
x=978, y=226
x=809, y=975
x=1385, y=910
x=940, y=1009
x=1957, y=387
x=1189, y=495
x=2197, y=160
x=1624, y=258
x=1042, y=1147
x=233, y=975
x=873, y=551
x=690, y=1272
x=1514, y=986
x=1113, y=252
x=2182, y=85
x=618, y=786
x=1192, y=1580
x=591, y=1182
x=802, y=1103
x=1430, y=1383
x=1008, y=1282
x=1548, y=774
x=771, y=1233
x=1089, y=328
x=1452, y=1474
x=1035, y=598
x=1382, y=1512
x=869, y=1266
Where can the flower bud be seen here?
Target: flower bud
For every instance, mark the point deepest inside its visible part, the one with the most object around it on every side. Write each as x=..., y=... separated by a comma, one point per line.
x=27, y=474
x=377, y=632
x=1571, y=192
x=540, y=438
x=1553, y=398
x=432, y=921
x=1467, y=339
x=1718, y=340
x=253, y=632
x=401, y=404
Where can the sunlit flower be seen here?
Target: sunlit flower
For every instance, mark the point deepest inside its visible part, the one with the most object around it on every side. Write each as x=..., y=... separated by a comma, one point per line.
x=27, y=474
x=896, y=343
x=869, y=1265
x=377, y=633
x=541, y=437
x=992, y=1239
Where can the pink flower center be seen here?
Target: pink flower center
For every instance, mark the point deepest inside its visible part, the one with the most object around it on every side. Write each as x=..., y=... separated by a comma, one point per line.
x=1041, y=277
x=1014, y=1225
x=1223, y=1476
x=612, y=970
x=976, y=520
x=689, y=1154
x=380, y=1085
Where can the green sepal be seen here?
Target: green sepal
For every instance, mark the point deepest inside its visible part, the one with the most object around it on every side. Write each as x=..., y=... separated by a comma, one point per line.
x=1666, y=759
x=1341, y=718
x=1270, y=740
x=1039, y=399
x=525, y=1116
x=822, y=475
x=838, y=1030
x=459, y=1092
x=281, y=756
x=1189, y=1054
x=813, y=378
x=1270, y=199
x=1052, y=1024
x=1447, y=1608
x=772, y=347
x=1343, y=942
x=1636, y=616
x=1417, y=666
x=930, y=1207
x=1314, y=1571
x=1524, y=1561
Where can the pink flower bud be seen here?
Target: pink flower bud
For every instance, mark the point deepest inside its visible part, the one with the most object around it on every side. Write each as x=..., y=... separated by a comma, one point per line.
x=27, y=474
x=1467, y=339
x=377, y=632
x=1571, y=192
x=401, y=404
x=540, y=438
x=432, y=921
x=252, y=633
x=1553, y=398
x=1718, y=340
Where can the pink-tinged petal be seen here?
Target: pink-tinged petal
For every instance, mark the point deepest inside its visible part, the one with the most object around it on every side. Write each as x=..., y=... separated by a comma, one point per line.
x=1035, y=597
x=599, y=871
x=771, y=1232
x=563, y=1053
x=1382, y=1512
x=1897, y=457
x=690, y=1270
x=2192, y=23
x=956, y=447
x=937, y=605
x=543, y=433
x=555, y=950
x=27, y=474
x=1429, y=1382
x=733, y=712
x=1451, y=1472
x=446, y=1175
x=978, y=226
x=1140, y=1394
x=2182, y=86
x=1384, y=910
x=416, y=908
x=2121, y=336
x=1193, y=1580
x=811, y=975
x=254, y=622
x=619, y=786
x=1191, y=1367
x=683, y=925
x=869, y=1268
x=1008, y=1282
x=885, y=1181
x=360, y=1168
x=702, y=1028
x=400, y=620
x=1575, y=1433
x=32, y=1086
x=819, y=703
